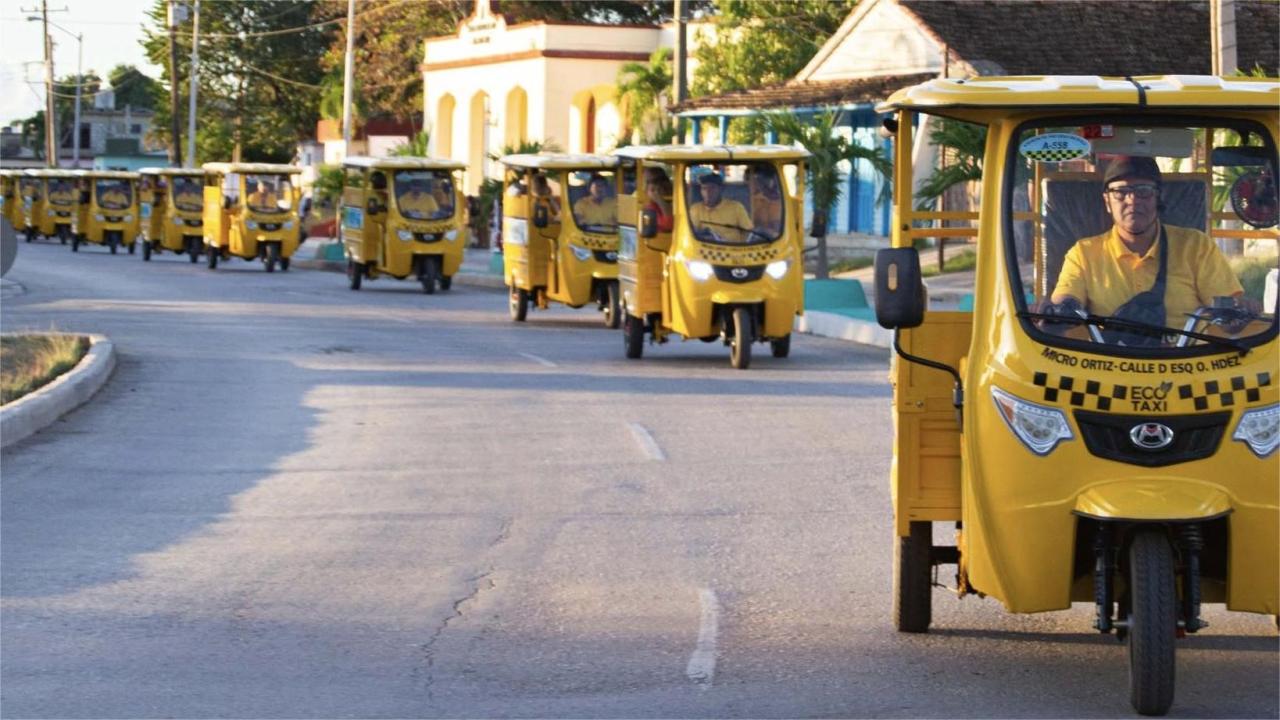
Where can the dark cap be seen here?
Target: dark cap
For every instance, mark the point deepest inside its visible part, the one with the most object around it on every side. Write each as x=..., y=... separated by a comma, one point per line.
x=1131, y=166
x=711, y=178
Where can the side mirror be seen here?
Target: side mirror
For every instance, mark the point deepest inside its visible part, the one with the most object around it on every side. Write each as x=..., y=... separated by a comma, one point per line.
x=648, y=223
x=540, y=216
x=227, y=203
x=900, y=293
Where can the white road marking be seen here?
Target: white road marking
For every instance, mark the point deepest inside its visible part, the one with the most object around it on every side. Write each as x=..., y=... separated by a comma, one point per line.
x=702, y=663
x=541, y=361
x=646, y=442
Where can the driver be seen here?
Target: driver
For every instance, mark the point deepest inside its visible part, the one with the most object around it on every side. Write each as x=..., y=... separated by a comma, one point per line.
x=1102, y=274
x=113, y=196
x=263, y=196
x=728, y=219
x=60, y=192
x=186, y=193
x=597, y=207
x=417, y=203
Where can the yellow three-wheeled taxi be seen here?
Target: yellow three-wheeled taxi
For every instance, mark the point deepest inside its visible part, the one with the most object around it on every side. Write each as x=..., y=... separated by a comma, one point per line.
x=1102, y=426
x=251, y=212
x=53, y=204
x=560, y=232
x=107, y=213
x=403, y=217
x=12, y=199
x=711, y=245
x=172, y=211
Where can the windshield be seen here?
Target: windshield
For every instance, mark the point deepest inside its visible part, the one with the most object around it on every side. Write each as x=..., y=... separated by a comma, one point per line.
x=595, y=209
x=61, y=192
x=113, y=194
x=268, y=193
x=424, y=194
x=187, y=193
x=734, y=204
x=1144, y=234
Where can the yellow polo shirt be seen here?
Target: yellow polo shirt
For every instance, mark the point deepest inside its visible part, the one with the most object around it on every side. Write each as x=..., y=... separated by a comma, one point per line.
x=728, y=219
x=589, y=212
x=1103, y=274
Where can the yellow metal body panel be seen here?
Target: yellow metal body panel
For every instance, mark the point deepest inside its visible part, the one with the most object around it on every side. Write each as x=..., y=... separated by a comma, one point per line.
x=1020, y=510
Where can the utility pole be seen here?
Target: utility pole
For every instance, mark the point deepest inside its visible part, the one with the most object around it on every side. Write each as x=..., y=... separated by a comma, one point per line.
x=175, y=122
x=75, y=129
x=50, y=127
x=680, y=76
x=347, y=77
x=191, y=100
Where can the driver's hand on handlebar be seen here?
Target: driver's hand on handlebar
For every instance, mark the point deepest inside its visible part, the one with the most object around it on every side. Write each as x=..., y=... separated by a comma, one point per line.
x=1069, y=307
x=1248, y=304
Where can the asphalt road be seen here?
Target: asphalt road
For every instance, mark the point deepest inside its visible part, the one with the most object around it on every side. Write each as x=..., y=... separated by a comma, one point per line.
x=293, y=500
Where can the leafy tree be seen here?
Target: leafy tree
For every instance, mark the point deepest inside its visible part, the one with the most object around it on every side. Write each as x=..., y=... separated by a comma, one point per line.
x=329, y=183
x=825, y=179
x=645, y=88
x=260, y=75
x=134, y=89
x=418, y=146
x=962, y=144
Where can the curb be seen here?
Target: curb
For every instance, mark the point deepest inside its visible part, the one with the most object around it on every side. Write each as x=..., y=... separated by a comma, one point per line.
x=840, y=327
x=463, y=277
x=32, y=413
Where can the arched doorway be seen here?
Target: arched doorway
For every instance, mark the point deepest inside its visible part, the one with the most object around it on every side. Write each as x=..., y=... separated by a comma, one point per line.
x=444, y=127
x=516, y=118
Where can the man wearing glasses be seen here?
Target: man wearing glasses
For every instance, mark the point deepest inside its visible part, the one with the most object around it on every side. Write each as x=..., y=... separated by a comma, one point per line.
x=1102, y=273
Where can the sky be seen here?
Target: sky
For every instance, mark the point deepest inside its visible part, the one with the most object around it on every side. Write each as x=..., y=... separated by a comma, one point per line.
x=112, y=32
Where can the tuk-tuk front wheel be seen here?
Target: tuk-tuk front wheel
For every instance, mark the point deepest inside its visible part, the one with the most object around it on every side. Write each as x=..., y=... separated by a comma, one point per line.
x=611, y=306
x=146, y=251
x=355, y=274
x=912, y=579
x=743, y=336
x=284, y=264
x=781, y=347
x=1152, y=622
x=193, y=249
x=31, y=234
x=63, y=232
x=272, y=257
x=132, y=247
x=75, y=243
x=518, y=301
x=428, y=272
x=632, y=335
x=113, y=242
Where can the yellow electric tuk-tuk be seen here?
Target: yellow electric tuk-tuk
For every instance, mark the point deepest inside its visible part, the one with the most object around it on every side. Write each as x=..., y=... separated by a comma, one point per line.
x=711, y=243
x=172, y=211
x=251, y=212
x=403, y=217
x=54, y=204
x=107, y=211
x=12, y=208
x=1102, y=425
x=560, y=232
x=31, y=195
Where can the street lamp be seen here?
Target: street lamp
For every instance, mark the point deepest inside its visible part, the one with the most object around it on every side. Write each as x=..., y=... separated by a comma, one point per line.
x=75, y=132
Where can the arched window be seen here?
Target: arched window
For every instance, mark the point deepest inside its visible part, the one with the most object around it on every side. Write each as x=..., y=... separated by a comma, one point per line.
x=517, y=117
x=444, y=127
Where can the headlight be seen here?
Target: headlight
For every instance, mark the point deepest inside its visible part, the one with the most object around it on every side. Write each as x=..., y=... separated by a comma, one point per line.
x=177, y=221
x=99, y=217
x=777, y=269
x=699, y=270
x=581, y=253
x=50, y=212
x=1039, y=428
x=1260, y=430
x=451, y=235
x=128, y=217
x=288, y=225
x=404, y=234
x=251, y=224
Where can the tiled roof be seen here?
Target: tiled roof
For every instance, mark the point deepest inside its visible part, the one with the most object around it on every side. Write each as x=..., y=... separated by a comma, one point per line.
x=807, y=94
x=1095, y=37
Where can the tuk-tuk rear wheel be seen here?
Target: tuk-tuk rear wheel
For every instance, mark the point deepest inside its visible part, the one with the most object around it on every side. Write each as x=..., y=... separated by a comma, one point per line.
x=1153, y=622
x=781, y=347
x=355, y=274
x=75, y=243
x=740, y=346
x=446, y=282
x=632, y=335
x=912, y=581
x=213, y=257
x=146, y=252
x=519, y=304
x=284, y=264
x=611, y=306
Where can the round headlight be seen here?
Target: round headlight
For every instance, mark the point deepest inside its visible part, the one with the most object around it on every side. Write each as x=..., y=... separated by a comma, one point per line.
x=405, y=235
x=251, y=224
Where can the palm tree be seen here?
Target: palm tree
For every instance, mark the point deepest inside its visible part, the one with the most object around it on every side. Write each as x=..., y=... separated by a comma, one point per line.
x=963, y=144
x=825, y=179
x=645, y=88
x=416, y=147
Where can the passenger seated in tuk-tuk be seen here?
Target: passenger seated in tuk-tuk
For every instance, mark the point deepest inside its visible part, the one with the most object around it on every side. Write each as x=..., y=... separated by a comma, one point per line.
x=766, y=199
x=114, y=194
x=416, y=203
x=1117, y=273
x=186, y=194
x=658, y=189
x=598, y=207
x=544, y=195
x=717, y=218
